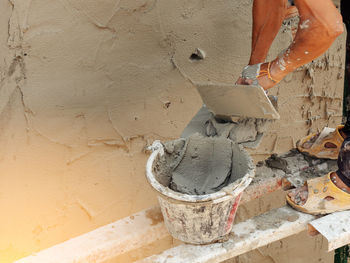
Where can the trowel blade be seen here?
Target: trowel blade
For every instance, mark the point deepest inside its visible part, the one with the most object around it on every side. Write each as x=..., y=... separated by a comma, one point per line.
x=227, y=101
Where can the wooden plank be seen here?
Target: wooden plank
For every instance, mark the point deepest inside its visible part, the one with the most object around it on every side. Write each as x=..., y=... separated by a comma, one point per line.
x=251, y=234
x=106, y=242
x=335, y=228
x=126, y=234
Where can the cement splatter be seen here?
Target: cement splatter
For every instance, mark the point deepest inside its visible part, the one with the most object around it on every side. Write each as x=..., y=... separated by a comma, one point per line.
x=304, y=24
x=266, y=221
x=155, y=215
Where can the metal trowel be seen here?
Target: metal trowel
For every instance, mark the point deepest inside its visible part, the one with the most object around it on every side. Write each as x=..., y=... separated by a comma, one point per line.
x=229, y=101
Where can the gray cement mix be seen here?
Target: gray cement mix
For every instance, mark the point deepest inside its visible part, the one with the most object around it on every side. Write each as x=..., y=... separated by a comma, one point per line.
x=199, y=165
x=245, y=131
x=202, y=161
x=205, y=167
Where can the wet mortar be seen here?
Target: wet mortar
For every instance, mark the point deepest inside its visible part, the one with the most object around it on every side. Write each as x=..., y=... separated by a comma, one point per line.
x=200, y=165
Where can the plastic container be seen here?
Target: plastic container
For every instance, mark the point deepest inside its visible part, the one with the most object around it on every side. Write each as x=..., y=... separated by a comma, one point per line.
x=201, y=219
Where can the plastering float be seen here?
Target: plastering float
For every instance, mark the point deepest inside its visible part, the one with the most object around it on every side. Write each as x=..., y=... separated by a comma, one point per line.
x=229, y=100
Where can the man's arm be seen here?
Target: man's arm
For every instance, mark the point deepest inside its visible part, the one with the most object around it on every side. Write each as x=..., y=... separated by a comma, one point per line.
x=268, y=16
x=320, y=24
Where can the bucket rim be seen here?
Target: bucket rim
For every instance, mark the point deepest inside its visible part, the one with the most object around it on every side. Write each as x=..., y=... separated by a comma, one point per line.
x=157, y=148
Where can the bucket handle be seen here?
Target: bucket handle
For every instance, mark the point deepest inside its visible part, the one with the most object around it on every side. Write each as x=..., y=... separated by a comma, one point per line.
x=156, y=146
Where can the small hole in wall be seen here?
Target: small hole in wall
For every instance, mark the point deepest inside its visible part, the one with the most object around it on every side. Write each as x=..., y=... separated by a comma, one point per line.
x=167, y=104
x=25, y=54
x=195, y=57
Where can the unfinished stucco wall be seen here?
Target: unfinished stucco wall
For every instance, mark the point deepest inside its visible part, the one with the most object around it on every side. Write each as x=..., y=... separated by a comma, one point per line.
x=86, y=85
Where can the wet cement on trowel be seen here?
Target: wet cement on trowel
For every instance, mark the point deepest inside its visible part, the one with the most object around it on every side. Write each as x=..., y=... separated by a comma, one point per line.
x=242, y=130
x=197, y=165
x=245, y=131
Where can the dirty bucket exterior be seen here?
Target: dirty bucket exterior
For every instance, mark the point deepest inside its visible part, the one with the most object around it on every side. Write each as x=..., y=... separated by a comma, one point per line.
x=198, y=219
x=199, y=223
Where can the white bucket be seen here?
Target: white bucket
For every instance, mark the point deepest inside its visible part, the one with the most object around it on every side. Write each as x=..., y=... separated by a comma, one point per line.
x=201, y=219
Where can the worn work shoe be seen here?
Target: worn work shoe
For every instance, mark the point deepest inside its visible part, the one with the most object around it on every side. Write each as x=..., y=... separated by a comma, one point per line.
x=324, y=145
x=322, y=197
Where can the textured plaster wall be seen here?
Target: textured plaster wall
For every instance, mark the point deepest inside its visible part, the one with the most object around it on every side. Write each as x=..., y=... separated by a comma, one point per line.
x=86, y=85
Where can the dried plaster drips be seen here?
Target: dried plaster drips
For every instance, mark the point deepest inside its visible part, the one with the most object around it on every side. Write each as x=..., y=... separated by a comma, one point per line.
x=200, y=165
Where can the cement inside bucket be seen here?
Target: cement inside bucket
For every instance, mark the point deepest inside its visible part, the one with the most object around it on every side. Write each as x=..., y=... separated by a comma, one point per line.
x=201, y=165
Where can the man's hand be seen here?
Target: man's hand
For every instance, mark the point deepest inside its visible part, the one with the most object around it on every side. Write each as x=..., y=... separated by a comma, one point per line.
x=244, y=81
x=262, y=79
